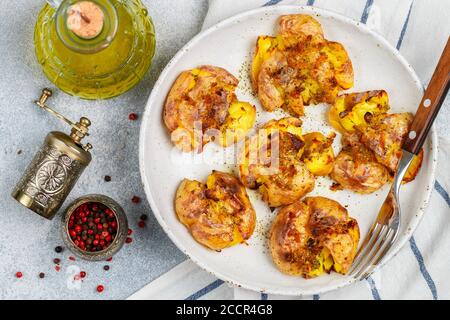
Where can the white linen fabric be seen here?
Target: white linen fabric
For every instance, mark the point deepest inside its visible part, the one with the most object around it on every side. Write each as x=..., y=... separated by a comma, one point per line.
x=419, y=29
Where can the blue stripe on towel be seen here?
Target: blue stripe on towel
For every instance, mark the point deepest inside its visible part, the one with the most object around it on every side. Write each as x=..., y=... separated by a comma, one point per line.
x=373, y=288
x=310, y=2
x=366, y=11
x=405, y=26
x=412, y=242
x=210, y=287
x=271, y=3
x=316, y=297
x=264, y=296
x=440, y=189
x=422, y=267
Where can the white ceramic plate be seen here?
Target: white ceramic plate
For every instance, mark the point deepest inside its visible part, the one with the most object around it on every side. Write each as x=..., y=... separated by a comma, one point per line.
x=230, y=45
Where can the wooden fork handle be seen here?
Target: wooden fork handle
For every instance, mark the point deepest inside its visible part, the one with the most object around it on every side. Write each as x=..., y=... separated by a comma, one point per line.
x=431, y=103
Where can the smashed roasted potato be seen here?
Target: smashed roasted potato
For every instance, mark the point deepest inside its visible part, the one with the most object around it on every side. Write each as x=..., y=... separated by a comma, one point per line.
x=271, y=162
x=318, y=154
x=202, y=106
x=351, y=110
x=356, y=167
x=313, y=236
x=385, y=137
x=219, y=213
x=377, y=138
x=299, y=66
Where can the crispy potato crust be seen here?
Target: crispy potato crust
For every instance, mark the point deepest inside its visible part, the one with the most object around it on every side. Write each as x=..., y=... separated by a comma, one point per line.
x=271, y=162
x=385, y=137
x=371, y=137
x=299, y=66
x=357, y=109
x=219, y=213
x=202, y=106
x=300, y=27
x=313, y=236
x=356, y=167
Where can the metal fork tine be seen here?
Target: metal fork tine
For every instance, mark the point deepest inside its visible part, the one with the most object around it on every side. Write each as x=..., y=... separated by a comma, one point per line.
x=383, y=232
x=375, y=254
x=367, y=238
x=368, y=252
x=368, y=243
x=379, y=257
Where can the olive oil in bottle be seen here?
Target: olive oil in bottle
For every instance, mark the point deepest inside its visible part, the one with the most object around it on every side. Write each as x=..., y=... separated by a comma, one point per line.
x=95, y=49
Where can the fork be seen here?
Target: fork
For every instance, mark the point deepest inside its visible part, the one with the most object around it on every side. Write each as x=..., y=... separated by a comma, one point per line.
x=385, y=229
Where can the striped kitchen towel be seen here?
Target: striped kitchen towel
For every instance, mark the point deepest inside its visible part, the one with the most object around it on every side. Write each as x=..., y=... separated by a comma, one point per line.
x=419, y=29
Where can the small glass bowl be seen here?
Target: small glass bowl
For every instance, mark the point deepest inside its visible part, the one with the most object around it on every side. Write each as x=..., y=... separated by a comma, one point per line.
x=122, y=228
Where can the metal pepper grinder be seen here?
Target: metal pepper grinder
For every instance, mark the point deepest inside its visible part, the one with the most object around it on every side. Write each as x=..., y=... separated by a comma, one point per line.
x=56, y=167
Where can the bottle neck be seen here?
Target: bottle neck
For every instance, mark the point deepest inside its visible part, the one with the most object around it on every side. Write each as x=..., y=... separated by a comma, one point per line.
x=54, y=3
x=86, y=26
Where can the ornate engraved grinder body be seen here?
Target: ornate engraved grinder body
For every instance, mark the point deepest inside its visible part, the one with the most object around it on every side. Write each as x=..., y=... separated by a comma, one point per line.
x=55, y=168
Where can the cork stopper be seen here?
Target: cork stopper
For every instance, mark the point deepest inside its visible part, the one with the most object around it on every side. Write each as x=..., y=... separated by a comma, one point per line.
x=85, y=19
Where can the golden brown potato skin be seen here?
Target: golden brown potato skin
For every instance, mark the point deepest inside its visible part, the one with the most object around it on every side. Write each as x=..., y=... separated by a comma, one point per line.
x=299, y=66
x=371, y=137
x=219, y=213
x=299, y=27
x=200, y=100
x=280, y=177
x=353, y=110
x=385, y=136
x=356, y=167
x=313, y=236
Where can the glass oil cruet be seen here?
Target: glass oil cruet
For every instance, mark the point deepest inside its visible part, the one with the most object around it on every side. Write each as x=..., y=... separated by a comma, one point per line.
x=94, y=49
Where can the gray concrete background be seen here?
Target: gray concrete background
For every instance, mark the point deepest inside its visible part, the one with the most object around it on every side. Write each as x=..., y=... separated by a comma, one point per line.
x=27, y=241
